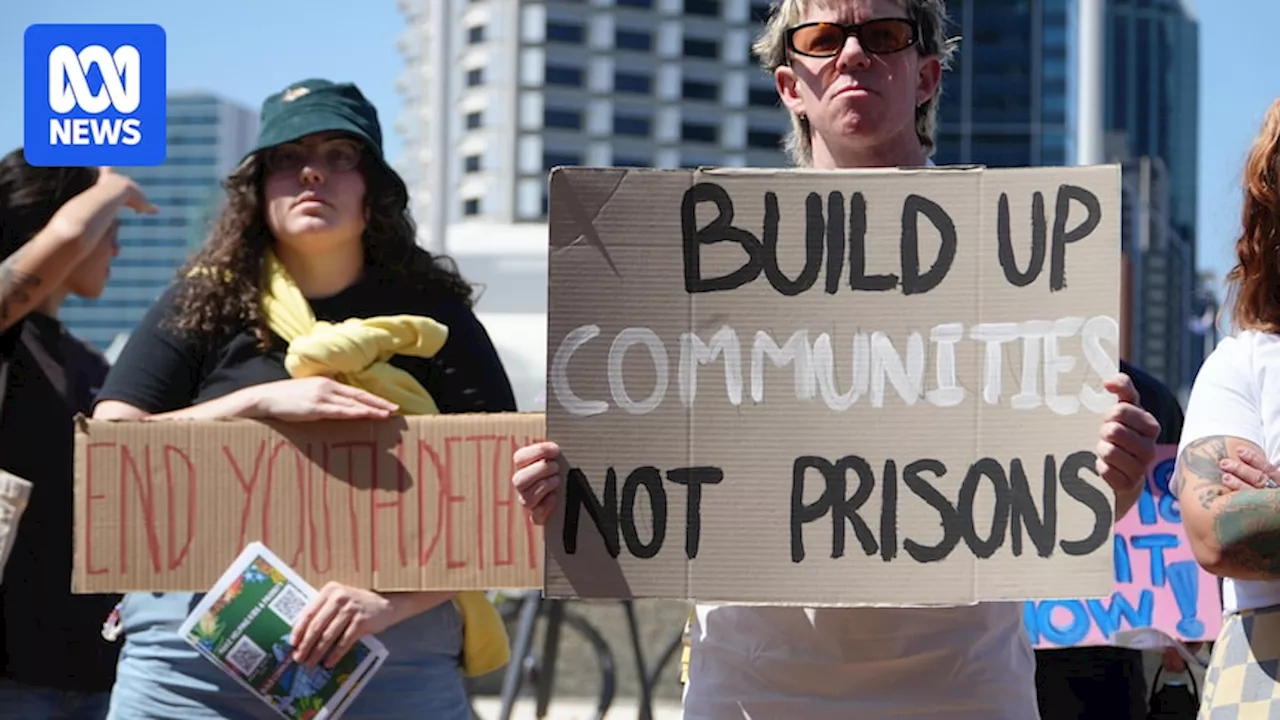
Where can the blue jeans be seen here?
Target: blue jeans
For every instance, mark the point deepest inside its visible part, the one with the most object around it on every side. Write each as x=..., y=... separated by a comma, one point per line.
x=161, y=677
x=23, y=702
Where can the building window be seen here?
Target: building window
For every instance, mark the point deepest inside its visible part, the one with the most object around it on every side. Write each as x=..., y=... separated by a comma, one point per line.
x=561, y=75
x=472, y=163
x=474, y=120
x=475, y=35
x=646, y=4
x=706, y=8
x=565, y=119
x=622, y=161
x=192, y=140
x=633, y=40
x=762, y=97
x=631, y=125
x=560, y=32
x=767, y=139
x=699, y=132
x=691, y=162
x=471, y=207
x=475, y=77
x=695, y=47
x=697, y=90
x=192, y=120
x=551, y=159
x=632, y=83
x=760, y=12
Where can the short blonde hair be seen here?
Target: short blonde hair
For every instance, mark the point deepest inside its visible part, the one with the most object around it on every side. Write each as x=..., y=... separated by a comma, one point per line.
x=929, y=15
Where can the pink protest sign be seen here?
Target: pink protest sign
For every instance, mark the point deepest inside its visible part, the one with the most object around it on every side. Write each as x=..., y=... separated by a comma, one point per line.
x=1158, y=583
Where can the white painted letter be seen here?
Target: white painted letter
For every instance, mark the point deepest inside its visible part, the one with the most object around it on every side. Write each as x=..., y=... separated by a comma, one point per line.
x=1032, y=332
x=694, y=352
x=948, y=393
x=1095, y=331
x=560, y=373
x=617, y=384
x=994, y=335
x=825, y=372
x=795, y=352
x=1056, y=364
x=886, y=362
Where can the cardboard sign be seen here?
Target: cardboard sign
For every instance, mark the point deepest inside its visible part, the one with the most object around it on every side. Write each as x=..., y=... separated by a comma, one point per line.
x=1158, y=583
x=853, y=387
x=410, y=503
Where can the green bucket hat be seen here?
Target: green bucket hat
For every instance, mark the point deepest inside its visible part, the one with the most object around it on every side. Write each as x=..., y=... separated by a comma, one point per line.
x=316, y=105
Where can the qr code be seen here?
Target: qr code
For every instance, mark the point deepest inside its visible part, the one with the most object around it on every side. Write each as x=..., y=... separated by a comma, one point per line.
x=288, y=604
x=246, y=656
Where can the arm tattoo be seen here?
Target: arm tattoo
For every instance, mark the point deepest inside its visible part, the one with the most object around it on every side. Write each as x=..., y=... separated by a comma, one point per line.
x=1248, y=530
x=1198, y=469
x=1246, y=524
x=14, y=287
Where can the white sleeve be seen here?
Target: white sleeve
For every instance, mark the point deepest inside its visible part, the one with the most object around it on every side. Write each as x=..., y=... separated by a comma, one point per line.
x=1224, y=397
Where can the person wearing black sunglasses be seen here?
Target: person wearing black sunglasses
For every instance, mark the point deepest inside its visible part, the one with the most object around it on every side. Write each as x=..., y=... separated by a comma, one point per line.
x=861, y=80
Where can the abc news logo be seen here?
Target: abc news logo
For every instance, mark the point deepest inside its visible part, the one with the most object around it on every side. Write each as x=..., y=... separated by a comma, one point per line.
x=69, y=89
x=95, y=95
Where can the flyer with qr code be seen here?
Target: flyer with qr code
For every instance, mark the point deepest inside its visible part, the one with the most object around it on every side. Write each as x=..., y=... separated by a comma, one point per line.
x=243, y=625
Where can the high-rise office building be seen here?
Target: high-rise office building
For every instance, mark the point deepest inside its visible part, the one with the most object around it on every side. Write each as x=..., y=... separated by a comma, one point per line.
x=1010, y=101
x=497, y=92
x=207, y=136
x=1006, y=101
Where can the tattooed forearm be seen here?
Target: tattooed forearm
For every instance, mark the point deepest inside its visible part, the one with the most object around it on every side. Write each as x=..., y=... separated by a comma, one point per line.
x=15, y=286
x=1248, y=530
x=1198, y=470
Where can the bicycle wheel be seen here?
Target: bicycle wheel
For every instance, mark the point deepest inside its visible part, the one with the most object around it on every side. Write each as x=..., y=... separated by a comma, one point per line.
x=583, y=659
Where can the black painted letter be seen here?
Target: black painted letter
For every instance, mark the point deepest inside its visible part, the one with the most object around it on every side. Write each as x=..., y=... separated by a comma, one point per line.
x=1042, y=528
x=694, y=478
x=1062, y=236
x=814, y=229
x=950, y=521
x=604, y=514
x=858, y=277
x=720, y=230
x=651, y=479
x=1089, y=496
x=912, y=281
x=992, y=470
x=1008, y=262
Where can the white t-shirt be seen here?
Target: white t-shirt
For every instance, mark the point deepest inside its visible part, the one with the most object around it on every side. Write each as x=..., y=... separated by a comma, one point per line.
x=971, y=662
x=1237, y=393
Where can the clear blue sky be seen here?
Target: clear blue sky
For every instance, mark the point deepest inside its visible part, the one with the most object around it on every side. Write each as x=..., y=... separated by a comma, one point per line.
x=247, y=49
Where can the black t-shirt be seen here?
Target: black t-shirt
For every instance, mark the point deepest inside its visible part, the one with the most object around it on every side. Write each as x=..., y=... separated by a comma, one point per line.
x=52, y=638
x=160, y=371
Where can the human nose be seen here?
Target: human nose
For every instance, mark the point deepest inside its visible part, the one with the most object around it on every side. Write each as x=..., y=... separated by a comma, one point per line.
x=310, y=174
x=852, y=55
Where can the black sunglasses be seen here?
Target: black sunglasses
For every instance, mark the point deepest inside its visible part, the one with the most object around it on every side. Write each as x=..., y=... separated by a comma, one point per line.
x=825, y=39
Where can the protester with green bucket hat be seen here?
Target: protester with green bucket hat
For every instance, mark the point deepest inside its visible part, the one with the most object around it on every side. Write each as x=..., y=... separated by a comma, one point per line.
x=312, y=269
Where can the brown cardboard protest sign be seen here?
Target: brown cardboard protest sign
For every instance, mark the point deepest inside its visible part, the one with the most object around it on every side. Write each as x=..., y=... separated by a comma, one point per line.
x=848, y=388
x=414, y=503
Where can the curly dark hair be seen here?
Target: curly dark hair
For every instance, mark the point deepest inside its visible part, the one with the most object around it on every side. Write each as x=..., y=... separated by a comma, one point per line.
x=223, y=297
x=29, y=197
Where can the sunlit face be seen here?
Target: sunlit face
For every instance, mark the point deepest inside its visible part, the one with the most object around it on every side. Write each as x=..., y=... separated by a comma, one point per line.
x=314, y=193
x=856, y=97
x=89, y=278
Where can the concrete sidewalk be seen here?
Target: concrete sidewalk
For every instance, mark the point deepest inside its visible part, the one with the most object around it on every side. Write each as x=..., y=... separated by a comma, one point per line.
x=622, y=709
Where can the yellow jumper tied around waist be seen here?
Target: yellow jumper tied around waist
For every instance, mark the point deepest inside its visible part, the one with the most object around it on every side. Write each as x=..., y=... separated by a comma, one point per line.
x=355, y=352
